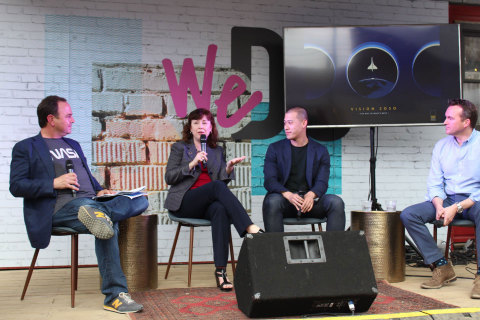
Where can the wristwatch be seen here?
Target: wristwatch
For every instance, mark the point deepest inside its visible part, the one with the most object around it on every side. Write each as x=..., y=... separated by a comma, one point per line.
x=459, y=208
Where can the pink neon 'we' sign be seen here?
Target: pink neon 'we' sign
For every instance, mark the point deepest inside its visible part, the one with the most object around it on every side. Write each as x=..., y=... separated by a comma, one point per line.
x=234, y=87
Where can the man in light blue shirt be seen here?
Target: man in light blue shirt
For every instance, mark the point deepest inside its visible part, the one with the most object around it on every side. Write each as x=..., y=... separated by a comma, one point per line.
x=453, y=191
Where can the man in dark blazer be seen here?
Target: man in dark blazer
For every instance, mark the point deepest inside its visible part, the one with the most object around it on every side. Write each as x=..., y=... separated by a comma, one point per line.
x=296, y=175
x=51, y=173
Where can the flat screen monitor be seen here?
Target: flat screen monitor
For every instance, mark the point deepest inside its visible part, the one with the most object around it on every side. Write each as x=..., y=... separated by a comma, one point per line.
x=372, y=75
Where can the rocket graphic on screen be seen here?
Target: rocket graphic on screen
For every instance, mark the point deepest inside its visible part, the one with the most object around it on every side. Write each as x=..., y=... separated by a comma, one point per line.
x=372, y=66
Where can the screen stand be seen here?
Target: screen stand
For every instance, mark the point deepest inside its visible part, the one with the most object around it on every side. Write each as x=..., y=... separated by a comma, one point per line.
x=375, y=205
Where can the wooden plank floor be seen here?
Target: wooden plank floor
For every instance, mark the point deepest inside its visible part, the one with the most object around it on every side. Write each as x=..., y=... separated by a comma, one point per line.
x=48, y=296
x=456, y=293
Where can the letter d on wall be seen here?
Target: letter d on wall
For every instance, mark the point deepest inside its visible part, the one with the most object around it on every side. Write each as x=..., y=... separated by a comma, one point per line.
x=243, y=38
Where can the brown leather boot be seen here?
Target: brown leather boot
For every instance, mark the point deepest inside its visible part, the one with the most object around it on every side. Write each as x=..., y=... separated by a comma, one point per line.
x=476, y=288
x=441, y=276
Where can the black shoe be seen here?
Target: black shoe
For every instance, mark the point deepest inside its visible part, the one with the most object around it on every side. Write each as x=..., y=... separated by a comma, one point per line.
x=221, y=274
x=96, y=221
x=123, y=304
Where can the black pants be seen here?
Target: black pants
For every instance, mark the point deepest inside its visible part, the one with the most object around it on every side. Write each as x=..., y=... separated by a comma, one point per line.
x=215, y=202
x=276, y=207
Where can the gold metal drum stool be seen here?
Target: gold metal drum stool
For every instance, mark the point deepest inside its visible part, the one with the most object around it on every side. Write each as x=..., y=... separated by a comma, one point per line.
x=386, y=242
x=137, y=240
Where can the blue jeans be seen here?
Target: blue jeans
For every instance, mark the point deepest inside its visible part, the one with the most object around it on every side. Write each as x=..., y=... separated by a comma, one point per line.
x=416, y=217
x=276, y=207
x=107, y=251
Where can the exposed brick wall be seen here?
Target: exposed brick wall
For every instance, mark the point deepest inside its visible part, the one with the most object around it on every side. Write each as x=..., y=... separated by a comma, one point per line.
x=120, y=152
x=141, y=124
x=165, y=29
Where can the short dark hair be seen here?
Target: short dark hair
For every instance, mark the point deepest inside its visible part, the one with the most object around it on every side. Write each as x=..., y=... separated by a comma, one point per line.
x=47, y=106
x=198, y=114
x=469, y=110
x=301, y=112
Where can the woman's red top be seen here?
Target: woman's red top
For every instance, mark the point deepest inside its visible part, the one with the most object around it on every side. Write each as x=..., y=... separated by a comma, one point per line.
x=204, y=178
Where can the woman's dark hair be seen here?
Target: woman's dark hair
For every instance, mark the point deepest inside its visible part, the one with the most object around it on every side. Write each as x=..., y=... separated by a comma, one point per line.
x=469, y=110
x=197, y=115
x=49, y=105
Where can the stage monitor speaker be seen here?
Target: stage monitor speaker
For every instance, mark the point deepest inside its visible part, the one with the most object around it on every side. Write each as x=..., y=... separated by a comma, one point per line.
x=299, y=273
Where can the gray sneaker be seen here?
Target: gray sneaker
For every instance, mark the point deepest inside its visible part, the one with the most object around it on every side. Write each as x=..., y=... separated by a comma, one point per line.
x=123, y=304
x=96, y=221
x=441, y=276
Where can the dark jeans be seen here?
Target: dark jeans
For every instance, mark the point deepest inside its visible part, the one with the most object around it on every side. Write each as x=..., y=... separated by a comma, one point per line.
x=107, y=251
x=276, y=207
x=416, y=217
x=215, y=202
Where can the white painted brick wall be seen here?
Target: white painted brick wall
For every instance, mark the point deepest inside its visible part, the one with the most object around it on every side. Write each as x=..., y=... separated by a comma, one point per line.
x=120, y=151
x=132, y=177
x=184, y=30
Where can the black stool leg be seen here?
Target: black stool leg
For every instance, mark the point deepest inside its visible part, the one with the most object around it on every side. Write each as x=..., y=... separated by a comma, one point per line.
x=190, y=256
x=73, y=268
x=173, y=250
x=232, y=255
x=30, y=271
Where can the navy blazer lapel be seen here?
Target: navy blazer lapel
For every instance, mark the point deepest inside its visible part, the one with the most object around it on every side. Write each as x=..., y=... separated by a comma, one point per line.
x=41, y=146
x=287, y=160
x=310, y=157
x=78, y=149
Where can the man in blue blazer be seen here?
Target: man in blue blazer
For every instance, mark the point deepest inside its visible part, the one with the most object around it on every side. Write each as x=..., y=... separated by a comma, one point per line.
x=296, y=174
x=51, y=173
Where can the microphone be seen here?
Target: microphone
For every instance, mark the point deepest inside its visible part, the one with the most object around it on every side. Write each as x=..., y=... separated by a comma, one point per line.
x=69, y=166
x=203, y=144
x=299, y=212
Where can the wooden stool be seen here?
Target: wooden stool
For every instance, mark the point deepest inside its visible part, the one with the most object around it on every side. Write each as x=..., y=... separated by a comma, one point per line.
x=60, y=231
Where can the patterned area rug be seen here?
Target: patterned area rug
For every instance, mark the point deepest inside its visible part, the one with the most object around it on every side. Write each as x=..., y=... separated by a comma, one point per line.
x=211, y=303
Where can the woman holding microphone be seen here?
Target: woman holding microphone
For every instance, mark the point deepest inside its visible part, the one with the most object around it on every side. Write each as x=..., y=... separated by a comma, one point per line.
x=198, y=180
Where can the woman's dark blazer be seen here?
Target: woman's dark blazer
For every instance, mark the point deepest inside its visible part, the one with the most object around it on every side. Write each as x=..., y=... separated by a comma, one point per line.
x=180, y=178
